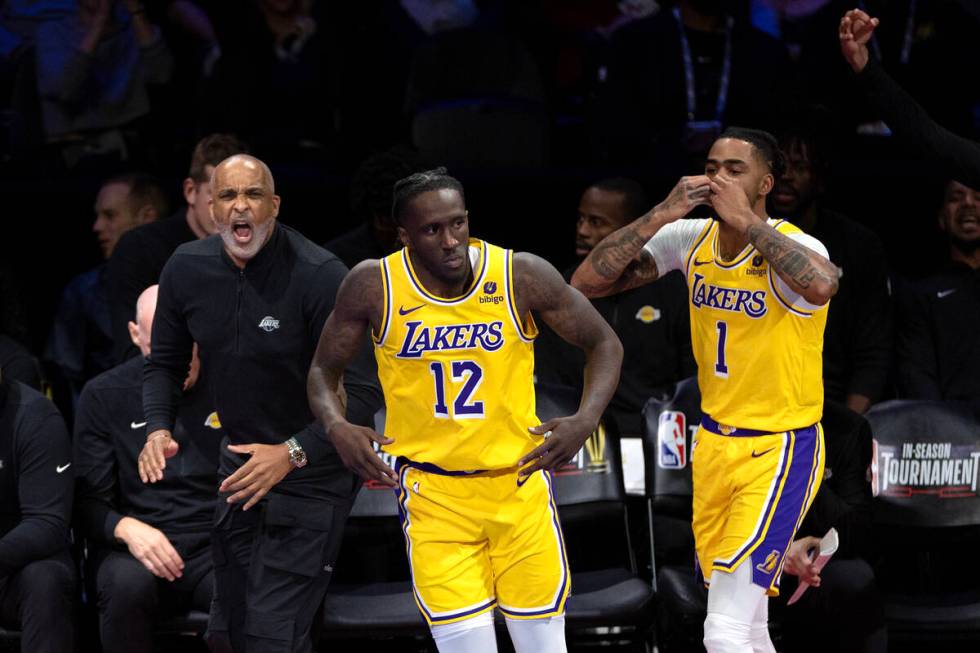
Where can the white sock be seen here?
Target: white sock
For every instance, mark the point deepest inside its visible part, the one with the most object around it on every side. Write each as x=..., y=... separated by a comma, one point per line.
x=473, y=635
x=538, y=635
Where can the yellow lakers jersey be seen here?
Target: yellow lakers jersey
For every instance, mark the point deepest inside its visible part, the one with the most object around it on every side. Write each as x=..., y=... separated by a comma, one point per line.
x=759, y=354
x=457, y=374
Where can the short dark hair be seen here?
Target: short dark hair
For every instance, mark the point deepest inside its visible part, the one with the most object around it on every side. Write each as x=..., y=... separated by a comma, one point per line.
x=144, y=190
x=212, y=150
x=371, y=188
x=813, y=132
x=634, y=197
x=421, y=182
x=764, y=143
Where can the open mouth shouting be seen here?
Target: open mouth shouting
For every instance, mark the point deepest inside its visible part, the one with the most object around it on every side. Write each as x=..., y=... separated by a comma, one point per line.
x=242, y=231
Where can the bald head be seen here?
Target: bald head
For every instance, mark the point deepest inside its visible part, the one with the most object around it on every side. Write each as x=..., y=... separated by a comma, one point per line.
x=243, y=163
x=243, y=205
x=140, y=330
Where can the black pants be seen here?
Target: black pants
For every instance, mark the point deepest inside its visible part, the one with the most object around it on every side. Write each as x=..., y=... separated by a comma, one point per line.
x=39, y=599
x=272, y=565
x=844, y=614
x=131, y=599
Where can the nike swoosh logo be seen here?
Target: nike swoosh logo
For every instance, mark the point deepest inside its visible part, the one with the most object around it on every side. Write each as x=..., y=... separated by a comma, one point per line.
x=405, y=311
x=762, y=453
x=134, y=425
x=697, y=262
x=61, y=468
x=945, y=293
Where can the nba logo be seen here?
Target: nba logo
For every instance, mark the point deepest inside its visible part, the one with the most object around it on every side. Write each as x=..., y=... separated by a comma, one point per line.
x=672, y=440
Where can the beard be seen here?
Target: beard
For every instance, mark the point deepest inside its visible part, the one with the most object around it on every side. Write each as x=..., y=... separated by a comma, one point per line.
x=246, y=251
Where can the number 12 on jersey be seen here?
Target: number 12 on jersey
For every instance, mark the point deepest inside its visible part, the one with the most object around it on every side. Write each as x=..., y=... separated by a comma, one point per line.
x=470, y=375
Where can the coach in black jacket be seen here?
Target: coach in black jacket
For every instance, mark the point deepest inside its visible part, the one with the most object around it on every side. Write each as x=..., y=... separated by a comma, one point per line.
x=150, y=546
x=254, y=299
x=37, y=576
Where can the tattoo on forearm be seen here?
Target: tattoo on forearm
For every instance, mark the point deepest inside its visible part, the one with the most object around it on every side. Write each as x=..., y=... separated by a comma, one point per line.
x=791, y=259
x=613, y=255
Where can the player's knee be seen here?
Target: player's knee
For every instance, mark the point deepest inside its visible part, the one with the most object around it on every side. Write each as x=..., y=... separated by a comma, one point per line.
x=538, y=635
x=723, y=634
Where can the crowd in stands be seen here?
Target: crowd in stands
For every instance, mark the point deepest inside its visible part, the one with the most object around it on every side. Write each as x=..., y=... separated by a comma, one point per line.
x=116, y=112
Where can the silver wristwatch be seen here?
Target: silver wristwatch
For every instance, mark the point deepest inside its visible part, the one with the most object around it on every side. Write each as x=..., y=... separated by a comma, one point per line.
x=296, y=454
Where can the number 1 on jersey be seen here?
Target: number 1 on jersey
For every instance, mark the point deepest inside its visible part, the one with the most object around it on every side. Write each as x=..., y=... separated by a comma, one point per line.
x=721, y=368
x=470, y=374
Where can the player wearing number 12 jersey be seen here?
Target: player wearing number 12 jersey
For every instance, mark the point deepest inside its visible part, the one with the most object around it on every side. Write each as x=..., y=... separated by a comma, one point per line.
x=758, y=291
x=451, y=322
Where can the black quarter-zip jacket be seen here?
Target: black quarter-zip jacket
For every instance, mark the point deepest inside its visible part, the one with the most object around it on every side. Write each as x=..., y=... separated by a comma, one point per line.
x=36, y=484
x=109, y=436
x=257, y=329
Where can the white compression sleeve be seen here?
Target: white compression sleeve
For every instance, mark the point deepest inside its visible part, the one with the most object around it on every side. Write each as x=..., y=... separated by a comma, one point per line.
x=538, y=635
x=474, y=635
x=737, y=613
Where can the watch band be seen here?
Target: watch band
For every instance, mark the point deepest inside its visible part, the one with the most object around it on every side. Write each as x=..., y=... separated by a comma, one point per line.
x=296, y=454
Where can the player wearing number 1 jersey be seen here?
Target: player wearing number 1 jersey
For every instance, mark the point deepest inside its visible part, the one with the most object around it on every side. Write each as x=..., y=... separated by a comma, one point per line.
x=451, y=322
x=758, y=291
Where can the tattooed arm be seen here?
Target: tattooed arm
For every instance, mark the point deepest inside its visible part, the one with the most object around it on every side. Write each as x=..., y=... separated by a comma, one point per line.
x=358, y=306
x=809, y=274
x=539, y=287
x=619, y=261
x=806, y=272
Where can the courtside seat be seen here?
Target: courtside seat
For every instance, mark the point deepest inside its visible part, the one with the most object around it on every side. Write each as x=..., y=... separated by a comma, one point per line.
x=668, y=433
x=606, y=589
x=370, y=595
x=927, y=517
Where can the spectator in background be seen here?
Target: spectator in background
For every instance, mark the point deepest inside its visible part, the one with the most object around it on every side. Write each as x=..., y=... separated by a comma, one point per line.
x=370, y=201
x=140, y=255
x=676, y=78
x=80, y=345
x=150, y=547
x=651, y=320
x=93, y=68
x=17, y=364
x=858, y=338
x=939, y=338
x=281, y=43
x=37, y=575
x=958, y=157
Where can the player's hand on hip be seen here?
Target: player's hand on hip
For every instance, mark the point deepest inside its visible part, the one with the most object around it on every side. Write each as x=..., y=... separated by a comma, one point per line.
x=730, y=203
x=799, y=560
x=564, y=436
x=159, y=446
x=687, y=194
x=151, y=547
x=267, y=465
x=854, y=32
x=353, y=443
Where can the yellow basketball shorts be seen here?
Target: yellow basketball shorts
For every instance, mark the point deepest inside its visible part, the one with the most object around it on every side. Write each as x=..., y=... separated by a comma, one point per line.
x=751, y=492
x=479, y=540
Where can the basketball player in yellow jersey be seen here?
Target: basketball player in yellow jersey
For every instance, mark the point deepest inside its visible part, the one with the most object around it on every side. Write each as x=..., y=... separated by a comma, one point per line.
x=451, y=322
x=758, y=292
